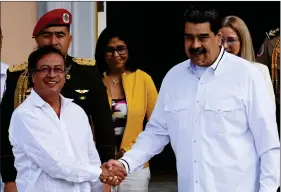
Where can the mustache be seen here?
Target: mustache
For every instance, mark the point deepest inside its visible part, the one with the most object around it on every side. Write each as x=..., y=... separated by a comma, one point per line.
x=197, y=51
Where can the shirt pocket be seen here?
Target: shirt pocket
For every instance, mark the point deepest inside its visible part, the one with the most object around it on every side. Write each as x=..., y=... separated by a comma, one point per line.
x=177, y=106
x=176, y=116
x=226, y=115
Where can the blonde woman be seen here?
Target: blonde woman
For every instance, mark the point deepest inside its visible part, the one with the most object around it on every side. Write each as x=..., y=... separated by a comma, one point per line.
x=237, y=40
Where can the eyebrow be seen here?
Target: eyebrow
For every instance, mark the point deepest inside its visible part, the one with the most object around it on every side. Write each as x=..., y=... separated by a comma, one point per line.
x=50, y=33
x=114, y=47
x=50, y=66
x=117, y=45
x=231, y=37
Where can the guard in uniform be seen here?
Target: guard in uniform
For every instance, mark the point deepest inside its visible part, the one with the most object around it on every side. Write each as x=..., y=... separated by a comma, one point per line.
x=83, y=84
x=269, y=54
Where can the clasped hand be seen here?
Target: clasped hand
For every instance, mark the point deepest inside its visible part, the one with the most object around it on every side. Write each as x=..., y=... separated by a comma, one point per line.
x=113, y=173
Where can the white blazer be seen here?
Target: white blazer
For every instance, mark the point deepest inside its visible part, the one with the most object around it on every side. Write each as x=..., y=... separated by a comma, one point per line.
x=265, y=71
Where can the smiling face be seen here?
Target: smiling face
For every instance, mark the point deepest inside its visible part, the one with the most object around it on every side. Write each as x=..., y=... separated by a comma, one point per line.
x=49, y=77
x=201, y=44
x=116, y=54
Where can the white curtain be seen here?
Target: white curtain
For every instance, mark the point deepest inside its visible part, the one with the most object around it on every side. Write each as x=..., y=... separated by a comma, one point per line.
x=83, y=28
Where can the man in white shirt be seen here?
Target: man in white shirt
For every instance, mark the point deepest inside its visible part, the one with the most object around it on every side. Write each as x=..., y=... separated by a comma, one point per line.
x=51, y=136
x=216, y=111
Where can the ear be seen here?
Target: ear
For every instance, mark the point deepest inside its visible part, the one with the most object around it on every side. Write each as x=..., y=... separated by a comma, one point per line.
x=37, y=41
x=219, y=36
x=70, y=39
x=32, y=76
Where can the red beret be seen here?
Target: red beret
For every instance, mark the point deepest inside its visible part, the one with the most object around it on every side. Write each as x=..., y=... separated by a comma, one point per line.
x=55, y=17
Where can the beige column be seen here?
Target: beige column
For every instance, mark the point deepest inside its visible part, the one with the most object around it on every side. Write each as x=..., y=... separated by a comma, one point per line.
x=17, y=22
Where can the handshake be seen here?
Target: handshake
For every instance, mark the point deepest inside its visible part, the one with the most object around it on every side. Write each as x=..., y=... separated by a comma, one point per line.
x=113, y=173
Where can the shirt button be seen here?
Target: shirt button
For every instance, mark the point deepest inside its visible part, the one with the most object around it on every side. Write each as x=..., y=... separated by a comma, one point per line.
x=197, y=101
x=194, y=141
x=195, y=161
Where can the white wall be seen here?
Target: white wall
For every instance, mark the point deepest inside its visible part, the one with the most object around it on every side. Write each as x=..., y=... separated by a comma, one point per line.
x=18, y=20
x=102, y=19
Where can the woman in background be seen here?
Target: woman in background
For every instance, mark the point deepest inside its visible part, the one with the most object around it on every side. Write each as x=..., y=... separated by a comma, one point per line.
x=132, y=96
x=237, y=40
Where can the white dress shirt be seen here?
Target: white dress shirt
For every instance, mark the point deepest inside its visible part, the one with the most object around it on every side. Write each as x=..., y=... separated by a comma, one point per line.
x=53, y=154
x=221, y=126
x=3, y=71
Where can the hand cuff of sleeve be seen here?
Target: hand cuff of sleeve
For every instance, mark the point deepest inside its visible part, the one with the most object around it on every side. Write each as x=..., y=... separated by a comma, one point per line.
x=97, y=172
x=125, y=164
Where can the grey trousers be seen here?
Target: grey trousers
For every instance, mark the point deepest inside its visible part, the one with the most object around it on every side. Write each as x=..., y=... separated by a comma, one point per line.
x=135, y=182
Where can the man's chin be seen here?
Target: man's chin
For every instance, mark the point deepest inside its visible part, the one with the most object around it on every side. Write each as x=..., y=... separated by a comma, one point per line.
x=52, y=89
x=198, y=60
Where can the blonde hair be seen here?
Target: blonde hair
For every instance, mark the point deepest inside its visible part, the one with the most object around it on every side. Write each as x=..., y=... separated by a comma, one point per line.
x=246, y=44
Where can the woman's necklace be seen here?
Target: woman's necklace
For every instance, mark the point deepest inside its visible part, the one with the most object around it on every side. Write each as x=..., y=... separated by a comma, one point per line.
x=115, y=81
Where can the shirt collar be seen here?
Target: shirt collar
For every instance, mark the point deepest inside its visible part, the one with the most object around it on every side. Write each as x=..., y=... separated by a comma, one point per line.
x=214, y=65
x=217, y=61
x=39, y=102
x=4, y=68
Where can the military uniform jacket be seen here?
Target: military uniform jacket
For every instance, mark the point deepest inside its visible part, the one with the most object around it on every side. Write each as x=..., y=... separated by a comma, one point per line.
x=269, y=54
x=83, y=84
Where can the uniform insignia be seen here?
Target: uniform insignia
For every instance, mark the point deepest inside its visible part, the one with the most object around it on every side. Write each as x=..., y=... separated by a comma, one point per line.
x=272, y=33
x=68, y=76
x=82, y=91
x=261, y=51
x=86, y=62
x=65, y=18
x=18, y=67
x=22, y=89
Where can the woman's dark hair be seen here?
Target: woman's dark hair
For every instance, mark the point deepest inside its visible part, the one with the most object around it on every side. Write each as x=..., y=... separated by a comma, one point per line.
x=38, y=54
x=196, y=14
x=106, y=35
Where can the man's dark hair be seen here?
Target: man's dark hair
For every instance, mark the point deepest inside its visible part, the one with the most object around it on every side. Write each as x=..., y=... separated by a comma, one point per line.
x=196, y=14
x=38, y=54
x=106, y=35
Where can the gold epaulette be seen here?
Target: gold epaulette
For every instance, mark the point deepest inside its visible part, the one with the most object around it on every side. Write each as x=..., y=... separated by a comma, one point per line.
x=86, y=62
x=18, y=67
x=272, y=33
